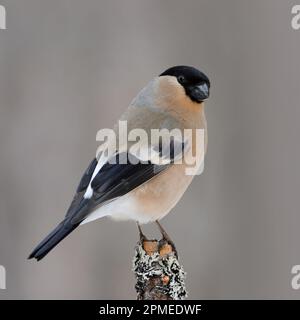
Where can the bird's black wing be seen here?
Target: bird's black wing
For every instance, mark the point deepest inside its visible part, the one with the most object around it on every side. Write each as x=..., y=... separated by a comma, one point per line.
x=118, y=177
x=113, y=181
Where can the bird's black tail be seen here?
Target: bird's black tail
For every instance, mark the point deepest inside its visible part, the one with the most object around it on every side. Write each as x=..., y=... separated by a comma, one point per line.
x=58, y=234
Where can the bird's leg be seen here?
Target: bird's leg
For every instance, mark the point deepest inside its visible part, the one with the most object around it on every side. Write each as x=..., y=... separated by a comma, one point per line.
x=166, y=237
x=142, y=236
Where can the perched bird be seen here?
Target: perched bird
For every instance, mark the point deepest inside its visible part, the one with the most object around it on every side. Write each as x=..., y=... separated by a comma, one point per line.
x=147, y=189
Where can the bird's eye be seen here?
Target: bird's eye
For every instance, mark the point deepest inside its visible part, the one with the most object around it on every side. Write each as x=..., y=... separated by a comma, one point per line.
x=181, y=79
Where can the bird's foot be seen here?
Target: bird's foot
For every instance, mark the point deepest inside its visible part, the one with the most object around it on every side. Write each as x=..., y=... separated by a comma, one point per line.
x=166, y=239
x=142, y=236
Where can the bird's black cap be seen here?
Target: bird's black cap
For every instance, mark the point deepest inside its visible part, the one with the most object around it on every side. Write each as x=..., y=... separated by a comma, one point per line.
x=190, y=73
x=195, y=82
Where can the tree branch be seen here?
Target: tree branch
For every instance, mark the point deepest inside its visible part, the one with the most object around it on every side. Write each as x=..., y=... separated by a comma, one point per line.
x=159, y=276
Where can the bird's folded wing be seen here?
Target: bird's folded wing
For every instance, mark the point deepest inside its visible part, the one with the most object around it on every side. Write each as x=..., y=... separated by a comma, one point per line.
x=117, y=178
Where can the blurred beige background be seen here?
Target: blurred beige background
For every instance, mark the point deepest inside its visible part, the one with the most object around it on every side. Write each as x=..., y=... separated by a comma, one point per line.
x=70, y=67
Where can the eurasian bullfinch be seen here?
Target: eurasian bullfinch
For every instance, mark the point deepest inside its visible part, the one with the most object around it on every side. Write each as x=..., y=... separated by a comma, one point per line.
x=145, y=184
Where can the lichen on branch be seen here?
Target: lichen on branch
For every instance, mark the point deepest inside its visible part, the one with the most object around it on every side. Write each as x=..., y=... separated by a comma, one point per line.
x=158, y=273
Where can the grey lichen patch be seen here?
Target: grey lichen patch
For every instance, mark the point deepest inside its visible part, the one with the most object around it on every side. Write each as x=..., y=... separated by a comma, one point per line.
x=159, y=277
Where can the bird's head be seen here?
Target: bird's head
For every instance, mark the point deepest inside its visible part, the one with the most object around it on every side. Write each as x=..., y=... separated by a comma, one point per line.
x=195, y=83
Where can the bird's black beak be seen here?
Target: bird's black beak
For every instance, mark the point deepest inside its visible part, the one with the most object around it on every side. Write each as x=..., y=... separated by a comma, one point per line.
x=200, y=92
